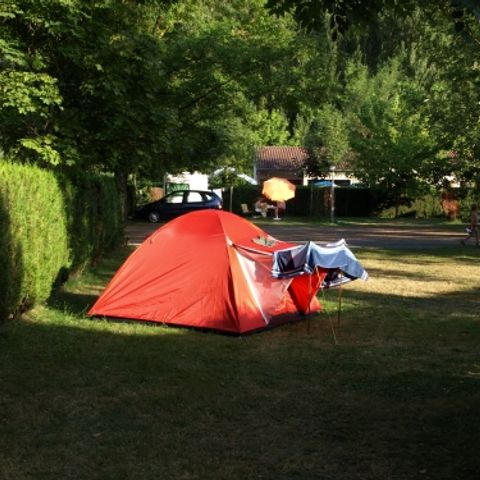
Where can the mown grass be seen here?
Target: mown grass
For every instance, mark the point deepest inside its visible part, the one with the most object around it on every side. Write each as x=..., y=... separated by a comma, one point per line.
x=296, y=221
x=391, y=392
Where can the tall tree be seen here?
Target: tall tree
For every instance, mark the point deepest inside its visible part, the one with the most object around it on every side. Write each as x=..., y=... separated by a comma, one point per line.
x=92, y=78
x=235, y=65
x=327, y=139
x=346, y=14
x=390, y=133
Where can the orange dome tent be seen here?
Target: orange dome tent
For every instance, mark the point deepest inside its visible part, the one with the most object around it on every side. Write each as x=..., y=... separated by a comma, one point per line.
x=208, y=269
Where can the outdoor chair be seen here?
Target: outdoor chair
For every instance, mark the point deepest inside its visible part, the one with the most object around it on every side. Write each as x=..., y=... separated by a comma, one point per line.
x=245, y=210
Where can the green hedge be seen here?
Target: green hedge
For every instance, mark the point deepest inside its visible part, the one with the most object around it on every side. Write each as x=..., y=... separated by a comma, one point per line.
x=349, y=201
x=425, y=206
x=431, y=205
x=49, y=227
x=466, y=198
x=354, y=202
x=33, y=236
x=93, y=215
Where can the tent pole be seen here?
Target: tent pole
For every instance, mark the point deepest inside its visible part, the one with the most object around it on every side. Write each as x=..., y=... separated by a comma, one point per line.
x=309, y=302
x=330, y=319
x=333, y=331
x=309, y=294
x=339, y=309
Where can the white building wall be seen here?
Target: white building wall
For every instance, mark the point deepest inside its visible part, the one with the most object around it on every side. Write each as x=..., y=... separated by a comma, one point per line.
x=195, y=180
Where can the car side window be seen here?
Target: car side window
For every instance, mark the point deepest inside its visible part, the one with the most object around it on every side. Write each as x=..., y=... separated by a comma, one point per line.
x=194, y=197
x=174, y=198
x=209, y=197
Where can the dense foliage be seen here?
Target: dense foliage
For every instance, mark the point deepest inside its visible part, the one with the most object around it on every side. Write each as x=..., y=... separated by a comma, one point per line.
x=93, y=216
x=33, y=236
x=308, y=201
x=144, y=88
x=49, y=228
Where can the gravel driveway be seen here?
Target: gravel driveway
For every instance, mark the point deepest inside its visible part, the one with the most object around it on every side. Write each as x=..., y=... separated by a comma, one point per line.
x=396, y=237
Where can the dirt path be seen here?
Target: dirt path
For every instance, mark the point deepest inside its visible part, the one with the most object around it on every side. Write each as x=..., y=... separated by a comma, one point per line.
x=356, y=236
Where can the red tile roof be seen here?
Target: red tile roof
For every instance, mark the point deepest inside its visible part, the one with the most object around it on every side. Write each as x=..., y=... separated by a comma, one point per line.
x=280, y=158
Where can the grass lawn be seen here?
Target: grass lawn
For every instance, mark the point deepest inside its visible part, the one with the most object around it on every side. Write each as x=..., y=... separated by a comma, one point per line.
x=392, y=392
x=407, y=222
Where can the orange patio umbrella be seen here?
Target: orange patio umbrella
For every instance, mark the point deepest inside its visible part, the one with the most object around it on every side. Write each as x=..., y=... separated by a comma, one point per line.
x=278, y=189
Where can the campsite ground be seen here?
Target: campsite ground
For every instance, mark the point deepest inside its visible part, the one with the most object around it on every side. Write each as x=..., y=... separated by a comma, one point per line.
x=382, y=234
x=389, y=392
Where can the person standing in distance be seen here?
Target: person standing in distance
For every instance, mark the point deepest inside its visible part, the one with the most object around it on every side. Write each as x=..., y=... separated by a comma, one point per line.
x=472, y=229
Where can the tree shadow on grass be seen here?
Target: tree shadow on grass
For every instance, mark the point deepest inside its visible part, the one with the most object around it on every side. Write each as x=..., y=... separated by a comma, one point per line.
x=91, y=403
x=65, y=299
x=453, y=303
x=400, y=274
x=383, y=320
x=74, y=303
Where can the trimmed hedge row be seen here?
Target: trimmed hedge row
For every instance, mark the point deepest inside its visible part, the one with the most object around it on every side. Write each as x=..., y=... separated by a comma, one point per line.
x=349, y=202
x=93, y=216
x=49, y=227
x=358, y=202
x=33, y=236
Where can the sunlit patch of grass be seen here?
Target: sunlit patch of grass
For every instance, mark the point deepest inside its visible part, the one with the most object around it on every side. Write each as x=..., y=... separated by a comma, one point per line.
x=413, y=297
x=298, y=221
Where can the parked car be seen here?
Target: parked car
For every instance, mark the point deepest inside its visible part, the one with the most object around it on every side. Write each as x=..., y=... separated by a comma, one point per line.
x=177, y=203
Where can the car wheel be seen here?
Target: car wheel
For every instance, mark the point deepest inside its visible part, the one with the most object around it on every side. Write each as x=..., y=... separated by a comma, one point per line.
x=153, y=217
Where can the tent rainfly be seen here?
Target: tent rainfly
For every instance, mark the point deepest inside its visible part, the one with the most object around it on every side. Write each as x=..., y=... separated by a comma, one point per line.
x=215, y=270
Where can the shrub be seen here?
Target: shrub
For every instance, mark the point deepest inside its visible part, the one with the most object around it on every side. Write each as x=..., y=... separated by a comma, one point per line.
x=467, y=197
x=33, y=236
x=429, y=205
x=50, y=226
x=93, y=215
x=349, y=201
